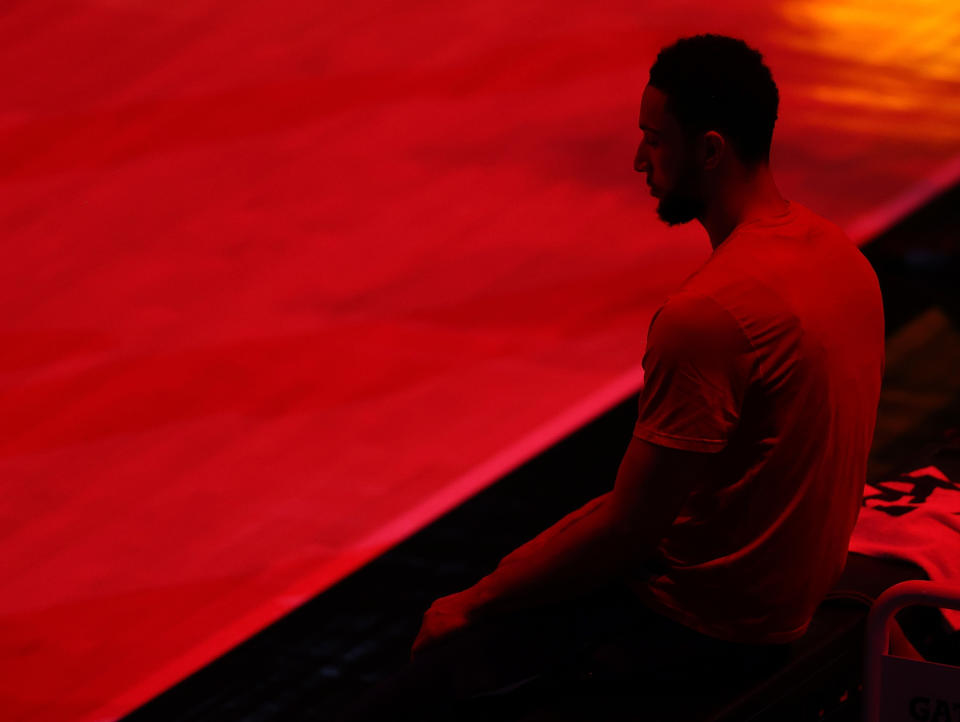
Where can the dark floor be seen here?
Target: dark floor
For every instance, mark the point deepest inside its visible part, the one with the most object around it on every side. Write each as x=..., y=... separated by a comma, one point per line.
x=308, y=663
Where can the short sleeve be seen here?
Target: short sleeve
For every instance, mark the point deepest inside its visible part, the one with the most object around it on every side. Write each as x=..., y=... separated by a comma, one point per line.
x=697, y=367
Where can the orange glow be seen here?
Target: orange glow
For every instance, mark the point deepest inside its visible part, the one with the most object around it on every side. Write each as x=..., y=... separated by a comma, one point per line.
x=897, y=71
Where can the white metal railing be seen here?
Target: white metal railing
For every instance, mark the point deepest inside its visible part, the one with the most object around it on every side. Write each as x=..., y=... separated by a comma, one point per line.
x=896, y=689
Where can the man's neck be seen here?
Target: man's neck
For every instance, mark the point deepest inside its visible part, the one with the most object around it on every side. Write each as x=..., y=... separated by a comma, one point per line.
x=749, y=197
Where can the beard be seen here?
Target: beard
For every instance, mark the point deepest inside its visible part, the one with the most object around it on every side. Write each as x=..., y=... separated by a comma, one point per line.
x=677, y=207
x=681, y=204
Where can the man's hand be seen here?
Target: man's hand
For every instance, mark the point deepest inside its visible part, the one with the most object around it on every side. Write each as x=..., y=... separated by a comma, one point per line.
x=444, y=617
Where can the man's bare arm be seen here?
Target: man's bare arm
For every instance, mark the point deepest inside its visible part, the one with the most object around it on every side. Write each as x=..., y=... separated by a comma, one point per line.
x=599, y=545
x=558, y=528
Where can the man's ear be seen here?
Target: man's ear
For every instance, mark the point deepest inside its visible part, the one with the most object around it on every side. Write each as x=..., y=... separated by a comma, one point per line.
x=714, y=145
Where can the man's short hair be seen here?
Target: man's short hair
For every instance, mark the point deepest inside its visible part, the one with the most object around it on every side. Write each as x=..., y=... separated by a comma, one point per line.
x=715, y=82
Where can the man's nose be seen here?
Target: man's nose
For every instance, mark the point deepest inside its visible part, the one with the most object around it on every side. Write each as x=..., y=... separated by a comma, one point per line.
x=640, y=162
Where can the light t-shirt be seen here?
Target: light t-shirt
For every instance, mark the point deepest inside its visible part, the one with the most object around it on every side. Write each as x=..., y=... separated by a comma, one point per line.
x=770, y=356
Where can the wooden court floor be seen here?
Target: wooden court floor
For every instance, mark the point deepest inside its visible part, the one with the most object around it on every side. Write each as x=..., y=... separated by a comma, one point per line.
x=285, y=282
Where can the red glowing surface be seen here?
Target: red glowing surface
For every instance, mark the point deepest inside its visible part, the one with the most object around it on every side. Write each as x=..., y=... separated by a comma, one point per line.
x=285, y=282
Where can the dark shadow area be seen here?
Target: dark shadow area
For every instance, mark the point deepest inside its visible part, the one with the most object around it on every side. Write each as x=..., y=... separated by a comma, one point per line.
x=918, y=262
x=306, y=665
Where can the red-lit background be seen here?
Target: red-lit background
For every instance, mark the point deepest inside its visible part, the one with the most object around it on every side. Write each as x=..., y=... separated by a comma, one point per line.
x=283, y=282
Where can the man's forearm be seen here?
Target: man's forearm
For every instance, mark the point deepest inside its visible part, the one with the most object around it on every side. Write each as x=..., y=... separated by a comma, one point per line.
x=589, y=552
x=557, y=528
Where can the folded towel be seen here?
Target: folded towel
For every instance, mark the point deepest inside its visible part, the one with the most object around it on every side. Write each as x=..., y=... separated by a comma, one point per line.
x=916, y=517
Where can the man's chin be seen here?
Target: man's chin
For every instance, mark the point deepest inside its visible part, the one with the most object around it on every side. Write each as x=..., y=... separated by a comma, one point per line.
x=676, y=212
x=672, y=219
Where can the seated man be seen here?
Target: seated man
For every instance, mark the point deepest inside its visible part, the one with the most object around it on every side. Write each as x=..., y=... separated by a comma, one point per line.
x=733, y=506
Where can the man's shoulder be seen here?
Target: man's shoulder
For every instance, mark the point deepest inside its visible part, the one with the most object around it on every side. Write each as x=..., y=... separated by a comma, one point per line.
x=689, y=306
x=697, y=317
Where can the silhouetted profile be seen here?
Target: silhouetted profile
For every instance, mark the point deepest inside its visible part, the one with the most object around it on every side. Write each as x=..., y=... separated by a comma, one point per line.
x=734, y=504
